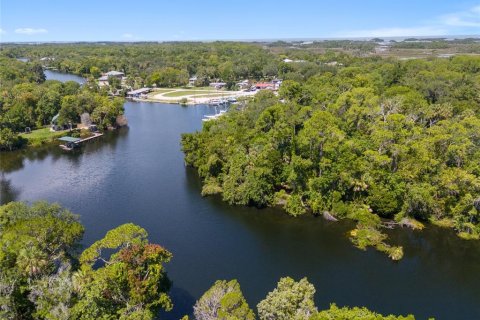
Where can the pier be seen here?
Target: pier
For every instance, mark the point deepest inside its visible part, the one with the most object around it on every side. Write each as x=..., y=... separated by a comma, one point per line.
x=72, y=143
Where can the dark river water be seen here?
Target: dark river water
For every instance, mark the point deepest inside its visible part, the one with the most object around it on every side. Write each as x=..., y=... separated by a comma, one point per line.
x=137, y=175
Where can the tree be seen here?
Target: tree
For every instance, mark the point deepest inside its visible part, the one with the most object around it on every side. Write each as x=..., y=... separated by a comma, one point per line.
x=48, y=106
x=9, y=140
x=106, y=111
x=70, y=111
x=131, y=284
x=53, y=296
x=223, y=301
x=291, y=300
x=356, y=313
x=35, y=242
x=114, y=82
x=95, y=72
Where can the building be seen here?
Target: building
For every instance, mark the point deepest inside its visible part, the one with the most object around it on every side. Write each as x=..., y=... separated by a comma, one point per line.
x=245, y=84
x=116, y=74
x=277, y=83
x=265, y=86
x=192, y=82
x=139, y=93
x=286, y=60
x=103, y=80
x=218, y=85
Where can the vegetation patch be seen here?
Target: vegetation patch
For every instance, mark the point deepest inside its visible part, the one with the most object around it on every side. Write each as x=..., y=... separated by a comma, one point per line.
x=42, y=136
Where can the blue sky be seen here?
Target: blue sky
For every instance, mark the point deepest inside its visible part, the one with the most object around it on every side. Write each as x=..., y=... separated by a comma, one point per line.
x=144, y=20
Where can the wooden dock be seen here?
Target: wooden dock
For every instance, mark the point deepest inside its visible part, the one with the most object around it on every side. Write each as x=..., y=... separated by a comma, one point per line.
x=72, y=143
x=95, y=135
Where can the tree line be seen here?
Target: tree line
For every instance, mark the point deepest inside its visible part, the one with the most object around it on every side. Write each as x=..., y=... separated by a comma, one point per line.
x=377, y=139
x=45, y=275
x=27, y=100
x=163, y=64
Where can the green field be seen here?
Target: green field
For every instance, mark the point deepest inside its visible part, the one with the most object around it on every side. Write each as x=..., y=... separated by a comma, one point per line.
x=181, y=93
x=217, y=95
x=161, y=90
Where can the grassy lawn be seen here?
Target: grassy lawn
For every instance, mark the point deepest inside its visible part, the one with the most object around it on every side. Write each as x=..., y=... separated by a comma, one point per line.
x=181, y=93
x=42, y=136
x=161, y=90
x=204, y=88
x=218, y=95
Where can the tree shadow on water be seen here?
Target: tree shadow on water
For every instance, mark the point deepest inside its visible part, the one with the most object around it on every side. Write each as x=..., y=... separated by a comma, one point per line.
x=8, y=192
x=183, y=303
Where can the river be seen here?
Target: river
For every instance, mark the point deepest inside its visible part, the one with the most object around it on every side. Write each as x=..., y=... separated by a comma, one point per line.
x=61, y=76
x=137, y=175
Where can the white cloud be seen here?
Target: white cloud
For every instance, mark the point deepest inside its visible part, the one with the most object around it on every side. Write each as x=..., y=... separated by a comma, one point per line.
x=470, y=18
x=30, y=31
x=2, y=31
x=448, y=24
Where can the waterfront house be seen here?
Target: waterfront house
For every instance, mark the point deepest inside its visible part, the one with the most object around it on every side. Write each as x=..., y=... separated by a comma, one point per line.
x=139, y=93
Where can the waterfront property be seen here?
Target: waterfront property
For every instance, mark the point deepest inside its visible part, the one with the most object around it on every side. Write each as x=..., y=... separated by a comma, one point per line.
x=103, y=80
x=191, y=96
x=139, y=93
x=72, y=142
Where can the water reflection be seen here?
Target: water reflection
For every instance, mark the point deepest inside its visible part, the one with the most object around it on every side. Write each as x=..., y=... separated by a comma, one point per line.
x=63, y=77
x=7, y=191
x=70, y=162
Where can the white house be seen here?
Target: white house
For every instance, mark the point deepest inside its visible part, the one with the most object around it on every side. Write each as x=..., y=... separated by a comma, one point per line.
x=103, y=80
x=192, y=81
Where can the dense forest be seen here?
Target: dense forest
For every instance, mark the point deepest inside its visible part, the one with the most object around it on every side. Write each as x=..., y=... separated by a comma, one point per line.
x=148, y=63
x=374, y=139
x=28, y=101
x=382, y=141
x=45, y=275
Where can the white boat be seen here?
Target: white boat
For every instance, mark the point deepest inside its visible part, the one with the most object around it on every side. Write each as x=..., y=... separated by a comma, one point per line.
x=215, y=102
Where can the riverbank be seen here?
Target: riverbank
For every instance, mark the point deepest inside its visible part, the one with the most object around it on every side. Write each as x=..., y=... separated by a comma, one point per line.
x=44, y=136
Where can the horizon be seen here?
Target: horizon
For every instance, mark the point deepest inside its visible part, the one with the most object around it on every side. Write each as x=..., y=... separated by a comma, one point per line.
x=148, y=21
x=288, y=40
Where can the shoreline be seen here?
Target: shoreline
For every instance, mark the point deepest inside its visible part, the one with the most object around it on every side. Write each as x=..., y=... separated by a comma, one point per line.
x=192, y=96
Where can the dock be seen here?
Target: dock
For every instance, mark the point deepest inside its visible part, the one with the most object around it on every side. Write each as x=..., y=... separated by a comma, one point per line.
x=72, y=143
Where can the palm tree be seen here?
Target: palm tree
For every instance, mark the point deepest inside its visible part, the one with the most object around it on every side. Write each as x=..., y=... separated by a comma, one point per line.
x=32, y=261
